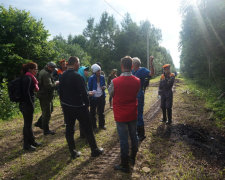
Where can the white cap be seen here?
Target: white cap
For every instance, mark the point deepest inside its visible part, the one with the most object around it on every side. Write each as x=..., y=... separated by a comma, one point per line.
x=95, y=68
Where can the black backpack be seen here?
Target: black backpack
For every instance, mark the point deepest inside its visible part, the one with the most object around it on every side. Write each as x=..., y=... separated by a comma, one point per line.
x=15, y=90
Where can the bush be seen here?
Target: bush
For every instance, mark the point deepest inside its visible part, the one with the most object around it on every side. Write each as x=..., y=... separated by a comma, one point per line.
x=7, y=108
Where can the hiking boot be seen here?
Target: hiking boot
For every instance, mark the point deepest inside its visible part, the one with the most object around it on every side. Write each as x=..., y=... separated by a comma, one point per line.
x=123, y=166
x=36, y=144
x=169, y=122
x=49, y=132
x=97, y=152
x=141, y=133
x=75, y=154
x=38, y=125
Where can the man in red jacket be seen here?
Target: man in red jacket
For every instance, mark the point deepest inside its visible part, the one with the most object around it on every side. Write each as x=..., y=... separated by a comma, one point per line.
x=124, y=90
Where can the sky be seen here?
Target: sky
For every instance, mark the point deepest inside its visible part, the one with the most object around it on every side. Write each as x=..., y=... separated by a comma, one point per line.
x=70, y=16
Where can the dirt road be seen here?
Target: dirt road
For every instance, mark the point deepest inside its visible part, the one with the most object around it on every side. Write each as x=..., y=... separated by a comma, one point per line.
x=191, y=148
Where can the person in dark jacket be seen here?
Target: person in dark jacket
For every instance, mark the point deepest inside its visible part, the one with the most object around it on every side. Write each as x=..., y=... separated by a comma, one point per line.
x=45, y=94
x=166, y=93
x=96, y=87
x=75, y=102
x=29, y=85
x=110, y=78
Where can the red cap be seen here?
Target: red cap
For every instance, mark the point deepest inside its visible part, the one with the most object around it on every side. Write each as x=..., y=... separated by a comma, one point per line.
x=166, y=65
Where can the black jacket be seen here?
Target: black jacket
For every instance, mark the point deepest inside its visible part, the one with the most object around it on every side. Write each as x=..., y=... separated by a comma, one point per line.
x=72, y=90
x=28, y=90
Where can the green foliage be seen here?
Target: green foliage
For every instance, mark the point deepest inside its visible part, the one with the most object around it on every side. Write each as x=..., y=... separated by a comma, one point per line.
x=71, y=47
x=212, y=102
x=202, y=42
x=107, y=43
x=23, y=39
x=7, y=108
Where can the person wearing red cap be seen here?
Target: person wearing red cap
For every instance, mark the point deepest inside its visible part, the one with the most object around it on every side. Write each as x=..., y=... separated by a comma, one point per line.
x=166, y=93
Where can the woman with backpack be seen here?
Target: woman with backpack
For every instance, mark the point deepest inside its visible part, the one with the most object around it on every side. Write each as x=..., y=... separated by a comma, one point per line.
x=29, y=84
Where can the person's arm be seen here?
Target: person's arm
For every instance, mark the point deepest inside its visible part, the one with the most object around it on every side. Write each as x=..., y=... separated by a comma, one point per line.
x=83, y=91
x=152, y=69
x=47, y=82
x=170, y=82
x=104, y=86
x=111, y=89
x=26, y=81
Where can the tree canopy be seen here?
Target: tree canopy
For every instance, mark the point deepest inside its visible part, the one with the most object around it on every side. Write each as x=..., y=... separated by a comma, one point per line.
x=202, y=42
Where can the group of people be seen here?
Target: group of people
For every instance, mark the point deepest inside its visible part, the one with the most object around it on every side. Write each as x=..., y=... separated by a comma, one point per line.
x=78, y=92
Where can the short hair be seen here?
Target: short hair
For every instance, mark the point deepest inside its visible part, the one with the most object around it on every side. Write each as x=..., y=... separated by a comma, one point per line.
x=127, y=62
x=136, y=61
x=30, y=65
x=72, y=60
x=51, y=64
x=62, y=61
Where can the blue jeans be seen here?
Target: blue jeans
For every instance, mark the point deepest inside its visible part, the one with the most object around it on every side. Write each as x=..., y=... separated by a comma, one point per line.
x=123, y=128
x=141, y=97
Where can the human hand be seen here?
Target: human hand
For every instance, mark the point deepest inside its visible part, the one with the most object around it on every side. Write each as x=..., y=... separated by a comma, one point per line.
x=57, y=82
x=90, y=93
x=151, y=58
x=103, y=87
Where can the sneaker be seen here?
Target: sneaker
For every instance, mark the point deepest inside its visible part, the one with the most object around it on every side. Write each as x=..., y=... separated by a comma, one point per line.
x=29, y=148
x=97, y=152
x=75, y=154
x=163, y=120
x=49, y=132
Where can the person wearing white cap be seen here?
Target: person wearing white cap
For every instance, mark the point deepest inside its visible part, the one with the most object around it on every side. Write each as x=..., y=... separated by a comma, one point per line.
x=96, y=87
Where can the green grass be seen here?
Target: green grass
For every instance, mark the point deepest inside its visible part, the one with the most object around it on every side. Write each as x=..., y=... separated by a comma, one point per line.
x=212, y=102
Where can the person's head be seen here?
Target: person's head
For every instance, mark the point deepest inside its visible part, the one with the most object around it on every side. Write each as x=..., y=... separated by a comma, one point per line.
x=30, y=67
x=166, y=68
x=136, y=63
x=126, y=64
x=96, y=69
x=62, y=63
x=98, y=63
x=86, y=71
x=113, y=72
x=51, y=66
x=73, y=62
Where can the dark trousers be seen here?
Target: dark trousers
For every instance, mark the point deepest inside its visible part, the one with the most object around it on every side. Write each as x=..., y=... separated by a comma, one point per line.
x=47, y=109
x=27, y=111
x=167, y=111
x=99, y=105
x=82, y=115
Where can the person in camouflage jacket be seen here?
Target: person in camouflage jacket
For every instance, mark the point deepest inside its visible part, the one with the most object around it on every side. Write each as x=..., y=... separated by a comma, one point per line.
x=45, y=96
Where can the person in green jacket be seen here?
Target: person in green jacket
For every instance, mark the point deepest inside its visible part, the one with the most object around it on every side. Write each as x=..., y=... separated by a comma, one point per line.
x=45, y=96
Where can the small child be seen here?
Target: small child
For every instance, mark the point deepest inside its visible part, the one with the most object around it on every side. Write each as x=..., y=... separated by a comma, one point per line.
x=166, y=93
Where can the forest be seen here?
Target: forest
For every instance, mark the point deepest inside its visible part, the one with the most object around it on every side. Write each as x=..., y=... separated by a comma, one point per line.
x=192, y=146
